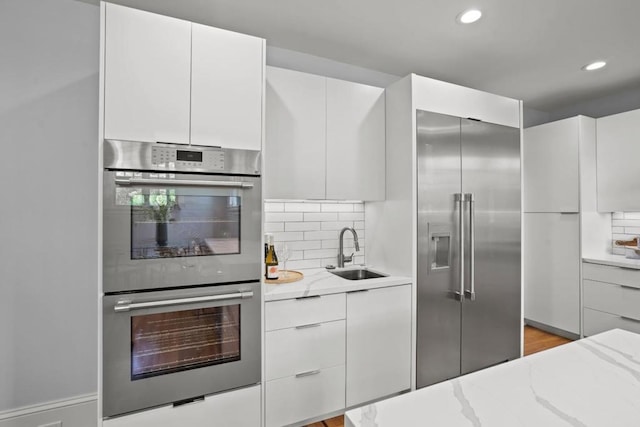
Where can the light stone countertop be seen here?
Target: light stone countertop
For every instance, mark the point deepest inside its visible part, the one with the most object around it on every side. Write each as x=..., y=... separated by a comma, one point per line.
x=613, y=260
x=591, y=382
x=321, y=282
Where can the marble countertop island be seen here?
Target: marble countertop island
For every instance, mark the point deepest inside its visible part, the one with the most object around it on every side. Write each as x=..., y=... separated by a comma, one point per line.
x=590, y=382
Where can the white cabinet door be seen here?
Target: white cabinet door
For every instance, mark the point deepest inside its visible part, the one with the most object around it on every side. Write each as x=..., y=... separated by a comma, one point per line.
x=226, y=88
x=147, y=76
x=618, y=152
x=550, y=156
x=355, y=141
x=239, y=408
x=378, y=343
x=295, y=156
x=291, y=400
x=552, y=270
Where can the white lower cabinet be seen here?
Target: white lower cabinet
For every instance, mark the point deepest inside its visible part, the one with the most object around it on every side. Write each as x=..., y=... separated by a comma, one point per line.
x=552, y=270
x=611, y=297
x=326, y=353
x=378, y=343
x=238, y=408
x=304, y=396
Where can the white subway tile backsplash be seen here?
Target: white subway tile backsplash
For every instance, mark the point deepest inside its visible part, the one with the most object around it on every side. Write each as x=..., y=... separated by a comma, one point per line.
x=294, y=255
x=320, y=235
x=624, y=226
x=301, y=207
x=288, y=236
x=320, y=253
x=618, y=251
x=311, y=230
x=273, y=227
x=273, y=207
x=337, y=207
x=302, y=264
x=279, y=217
x=348, y=244
x=351, y=216
x=302, y=226
x=305, y=244
x=326, y=216
x=336, y=225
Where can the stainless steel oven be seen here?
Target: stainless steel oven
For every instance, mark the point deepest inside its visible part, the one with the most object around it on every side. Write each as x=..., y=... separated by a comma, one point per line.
x=181, y=273
x=177, y=346
x=179, y=216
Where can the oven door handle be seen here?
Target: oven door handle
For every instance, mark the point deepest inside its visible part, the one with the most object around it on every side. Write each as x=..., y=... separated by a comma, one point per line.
x=127, y=305
x=188, y=182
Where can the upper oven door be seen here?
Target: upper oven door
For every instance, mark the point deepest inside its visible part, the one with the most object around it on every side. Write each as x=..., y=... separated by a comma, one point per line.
x=174, y=229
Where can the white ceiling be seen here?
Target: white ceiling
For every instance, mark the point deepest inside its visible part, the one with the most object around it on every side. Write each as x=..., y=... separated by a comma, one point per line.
x=526, y=49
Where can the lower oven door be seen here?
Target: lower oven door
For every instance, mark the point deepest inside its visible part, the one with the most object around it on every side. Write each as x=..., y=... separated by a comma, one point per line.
x=171, y=346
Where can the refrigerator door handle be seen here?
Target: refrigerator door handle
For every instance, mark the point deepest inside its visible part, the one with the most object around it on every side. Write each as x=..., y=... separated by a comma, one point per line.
x=460, y=199
x=471, y=293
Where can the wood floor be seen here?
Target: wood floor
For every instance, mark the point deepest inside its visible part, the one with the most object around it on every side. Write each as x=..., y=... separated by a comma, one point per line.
x=535, y=340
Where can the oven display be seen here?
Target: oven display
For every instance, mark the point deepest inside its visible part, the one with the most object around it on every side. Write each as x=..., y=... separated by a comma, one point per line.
x=164, y=343
x=189, y=156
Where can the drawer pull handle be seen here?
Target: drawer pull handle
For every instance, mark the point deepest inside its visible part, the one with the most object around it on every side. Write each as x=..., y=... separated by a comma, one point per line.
x=630, y=319
x=308, y=373
x=633, y=288
x=358, y=291
x=311, y=325
x=627, y=268
x=305, y=298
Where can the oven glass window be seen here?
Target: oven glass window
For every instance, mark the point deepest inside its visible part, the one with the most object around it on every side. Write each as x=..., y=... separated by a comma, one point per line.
x=168, y=225
x=170, y=342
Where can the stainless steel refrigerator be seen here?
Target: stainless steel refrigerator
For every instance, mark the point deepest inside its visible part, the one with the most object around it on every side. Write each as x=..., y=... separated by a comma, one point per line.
x=469, y=260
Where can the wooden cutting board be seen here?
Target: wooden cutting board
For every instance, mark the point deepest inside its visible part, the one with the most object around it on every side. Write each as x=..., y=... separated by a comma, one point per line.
x=292, y=276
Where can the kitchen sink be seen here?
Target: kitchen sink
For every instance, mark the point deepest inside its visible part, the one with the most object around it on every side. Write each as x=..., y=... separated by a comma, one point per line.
x=357, y=274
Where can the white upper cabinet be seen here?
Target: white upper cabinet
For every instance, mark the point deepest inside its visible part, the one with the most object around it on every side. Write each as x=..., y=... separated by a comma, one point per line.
x=325, y=138
x=226, y=88
x=618, y=167
x=295, y=154
x=147, y=76
x=169, y=80
x=551, y=167
x=355, y=141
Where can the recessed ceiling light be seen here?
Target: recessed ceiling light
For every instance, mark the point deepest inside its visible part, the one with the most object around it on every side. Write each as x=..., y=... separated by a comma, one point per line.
x=469, y=16
x=594, y=66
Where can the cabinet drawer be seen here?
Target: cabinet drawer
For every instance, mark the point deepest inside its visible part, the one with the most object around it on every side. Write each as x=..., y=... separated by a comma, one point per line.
x=239, y=408
x=615, y=299
x=597, y=321
x=294, y=399
x=611, y=274
x=304, y=311
x=305, y=348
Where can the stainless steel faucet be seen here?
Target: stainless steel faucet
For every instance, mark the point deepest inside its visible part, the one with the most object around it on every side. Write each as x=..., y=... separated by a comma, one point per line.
x=341, y=256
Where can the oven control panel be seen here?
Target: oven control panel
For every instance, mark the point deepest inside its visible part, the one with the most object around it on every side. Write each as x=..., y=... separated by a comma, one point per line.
x=176, y=159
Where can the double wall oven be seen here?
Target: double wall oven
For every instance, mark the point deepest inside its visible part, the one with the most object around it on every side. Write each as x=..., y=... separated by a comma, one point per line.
x=181, y=273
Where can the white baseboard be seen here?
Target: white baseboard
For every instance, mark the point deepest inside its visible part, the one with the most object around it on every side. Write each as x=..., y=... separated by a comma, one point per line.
x=77, y=412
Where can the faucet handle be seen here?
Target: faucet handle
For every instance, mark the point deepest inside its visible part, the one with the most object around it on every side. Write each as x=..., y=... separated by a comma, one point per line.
x=349, y=258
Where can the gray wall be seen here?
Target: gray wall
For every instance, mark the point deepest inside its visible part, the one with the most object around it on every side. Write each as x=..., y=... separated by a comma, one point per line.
x=48, y=214
x=292, y=60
